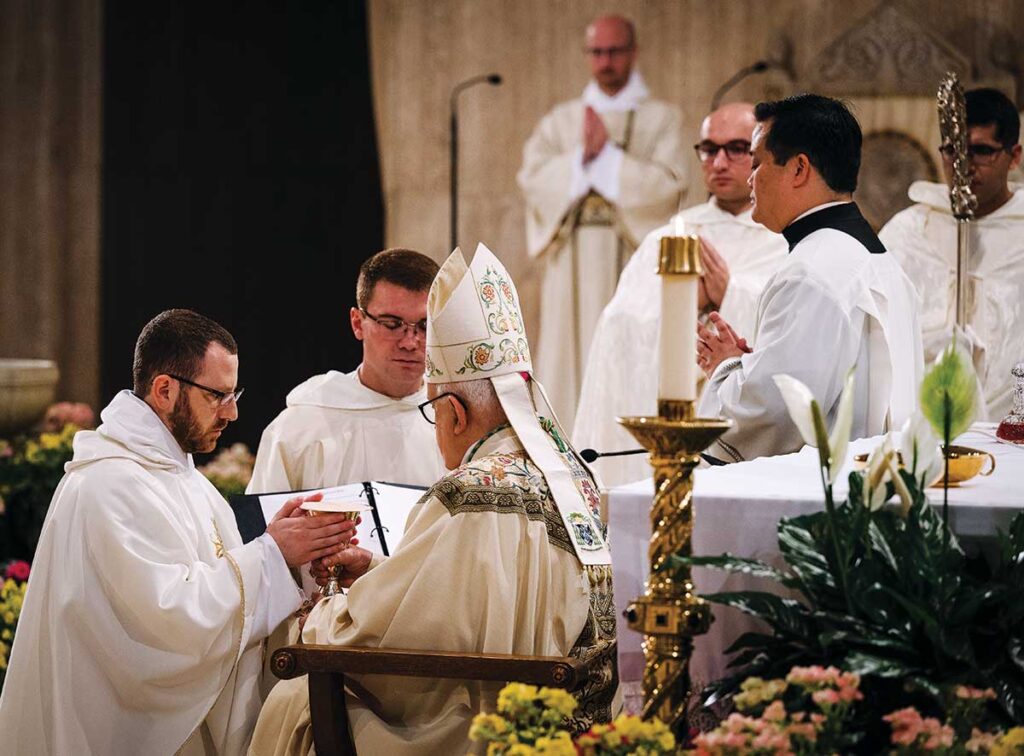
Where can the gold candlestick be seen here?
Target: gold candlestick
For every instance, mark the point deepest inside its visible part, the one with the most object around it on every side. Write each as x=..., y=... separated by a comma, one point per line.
x=668, y=614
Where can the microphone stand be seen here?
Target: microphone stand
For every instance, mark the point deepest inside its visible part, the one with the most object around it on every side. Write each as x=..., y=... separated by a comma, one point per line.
x=736, y=78
x=453, y=125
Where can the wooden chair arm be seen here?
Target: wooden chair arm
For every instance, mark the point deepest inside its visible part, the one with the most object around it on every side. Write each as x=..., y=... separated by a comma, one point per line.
x=553, y=671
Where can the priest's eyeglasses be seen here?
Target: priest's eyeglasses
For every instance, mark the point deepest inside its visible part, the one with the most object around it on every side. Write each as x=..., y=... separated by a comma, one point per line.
x=611, y=52
x=982, y=154
x=396, y=327
x=734, y=150
x=223, y=398
x=427, y=408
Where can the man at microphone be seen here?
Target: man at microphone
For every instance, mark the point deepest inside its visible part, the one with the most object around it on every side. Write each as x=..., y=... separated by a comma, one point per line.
x=598, y=174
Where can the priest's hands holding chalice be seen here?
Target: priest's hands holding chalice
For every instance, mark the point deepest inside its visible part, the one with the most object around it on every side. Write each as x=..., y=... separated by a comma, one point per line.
x=717, y=343
x=339, y=568
x=302, y=539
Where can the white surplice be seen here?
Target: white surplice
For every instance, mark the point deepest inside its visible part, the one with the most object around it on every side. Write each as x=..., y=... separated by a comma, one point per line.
x=830, y=307
x=924, y=237
x=484, y=567
x=622, y=369
x=584, y=221
x=142, y=626
x=335, y=431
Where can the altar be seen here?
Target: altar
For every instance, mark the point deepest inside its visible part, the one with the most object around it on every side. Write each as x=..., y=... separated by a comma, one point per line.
x=736, y=510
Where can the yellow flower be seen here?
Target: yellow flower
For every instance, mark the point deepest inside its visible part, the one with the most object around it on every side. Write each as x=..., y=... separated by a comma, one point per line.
x=50, y=440
x=9, y=618
x=558, y=745
x=561, y=701
x=32, y=452
x=1010, y=743
x=6, y=635
x=521, y=750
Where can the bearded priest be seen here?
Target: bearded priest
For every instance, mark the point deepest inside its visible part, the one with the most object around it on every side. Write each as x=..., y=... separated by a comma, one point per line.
x=505, y=554
x=143, y=623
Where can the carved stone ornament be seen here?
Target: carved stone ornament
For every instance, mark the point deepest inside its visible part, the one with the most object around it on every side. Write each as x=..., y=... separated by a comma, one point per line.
x=891, y=161
x=887, y=52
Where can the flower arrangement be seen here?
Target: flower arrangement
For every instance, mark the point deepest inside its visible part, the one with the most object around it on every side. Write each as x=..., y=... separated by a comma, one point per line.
x=887, y=593
x=818, y=710
x=231, y=470
x=533, y=721
x=30, y=469
x=12, y=596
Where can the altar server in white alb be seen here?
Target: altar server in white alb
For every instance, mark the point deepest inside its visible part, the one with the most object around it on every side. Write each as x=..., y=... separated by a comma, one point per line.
x=142, y=626
x=504, y=554
x=343, y=428
x=598, y=174
x=839, y=302
x=739, y=255
x=923, y=237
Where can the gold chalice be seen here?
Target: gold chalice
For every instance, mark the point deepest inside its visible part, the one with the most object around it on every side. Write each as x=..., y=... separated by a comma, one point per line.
x=964, y=464
x=351, y=509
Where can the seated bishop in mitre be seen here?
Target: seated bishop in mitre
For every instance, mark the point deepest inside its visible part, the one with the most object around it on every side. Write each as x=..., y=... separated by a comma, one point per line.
x=505, y=554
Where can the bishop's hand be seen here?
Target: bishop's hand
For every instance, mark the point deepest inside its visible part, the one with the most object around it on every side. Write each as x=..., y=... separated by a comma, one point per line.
x=351, y=564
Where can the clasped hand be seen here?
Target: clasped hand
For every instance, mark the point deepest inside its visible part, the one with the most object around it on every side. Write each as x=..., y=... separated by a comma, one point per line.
x=303, y=539
x=594, y=135
x=718, y=344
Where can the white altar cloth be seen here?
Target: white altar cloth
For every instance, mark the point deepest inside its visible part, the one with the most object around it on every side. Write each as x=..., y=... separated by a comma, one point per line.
x=736, y=510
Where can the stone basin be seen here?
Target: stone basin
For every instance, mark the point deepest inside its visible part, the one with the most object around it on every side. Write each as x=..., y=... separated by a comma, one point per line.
x=27, y=388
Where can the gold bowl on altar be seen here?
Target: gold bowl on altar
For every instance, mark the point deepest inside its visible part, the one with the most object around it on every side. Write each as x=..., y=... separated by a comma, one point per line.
x=964, y=464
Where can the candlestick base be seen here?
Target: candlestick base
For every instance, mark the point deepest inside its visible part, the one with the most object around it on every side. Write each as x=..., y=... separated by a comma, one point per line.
x=669, y=614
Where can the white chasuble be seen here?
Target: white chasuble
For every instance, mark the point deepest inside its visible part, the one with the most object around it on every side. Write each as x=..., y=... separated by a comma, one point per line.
x=832, y=306
x=622, y=369
x=336, y=431
x=583, y=222
x=485, y=566
x=923, y=238
x=142, y=626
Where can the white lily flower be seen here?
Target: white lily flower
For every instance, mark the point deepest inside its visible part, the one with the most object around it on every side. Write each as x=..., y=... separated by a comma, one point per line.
x=920, y=449
x=839, y=438
x=879, y=472
x=799, y=400
x=802, y=406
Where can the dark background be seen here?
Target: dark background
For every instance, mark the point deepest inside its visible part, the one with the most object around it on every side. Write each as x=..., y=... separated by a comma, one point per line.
x=240, y=178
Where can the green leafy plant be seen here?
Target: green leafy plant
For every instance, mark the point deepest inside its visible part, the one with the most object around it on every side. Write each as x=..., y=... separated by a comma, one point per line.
x=30, y=469
x=886, y=593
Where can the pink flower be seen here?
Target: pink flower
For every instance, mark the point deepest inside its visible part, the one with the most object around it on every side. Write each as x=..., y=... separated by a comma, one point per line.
x=17, y=571
x=775, y=712
x=826, y=697
x=60, y=414
x=965, y=691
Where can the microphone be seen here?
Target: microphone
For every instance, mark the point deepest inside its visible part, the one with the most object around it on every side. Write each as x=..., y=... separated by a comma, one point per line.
x=494, y=80
x=589, y=455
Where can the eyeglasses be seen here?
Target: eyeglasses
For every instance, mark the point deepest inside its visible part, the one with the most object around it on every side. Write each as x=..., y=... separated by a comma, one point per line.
x=734, y=150
x=982, y=154
x=223, y=398
x=611, y=52
x=396, y=327
x=427, y=408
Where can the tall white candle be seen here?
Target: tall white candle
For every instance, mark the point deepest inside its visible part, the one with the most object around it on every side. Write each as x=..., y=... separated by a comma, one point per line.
x=677, y=337
x=677, y=333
